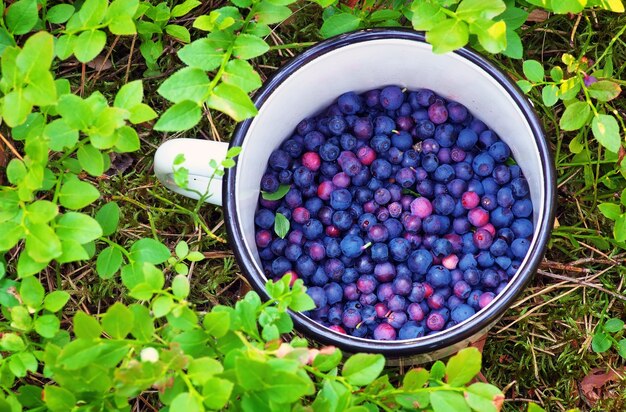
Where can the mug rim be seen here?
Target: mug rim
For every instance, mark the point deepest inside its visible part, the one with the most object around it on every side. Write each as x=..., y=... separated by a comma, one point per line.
x=426, y=344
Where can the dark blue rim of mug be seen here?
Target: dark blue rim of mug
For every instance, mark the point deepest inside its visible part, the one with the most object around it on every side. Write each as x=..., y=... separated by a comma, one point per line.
x=425, y=344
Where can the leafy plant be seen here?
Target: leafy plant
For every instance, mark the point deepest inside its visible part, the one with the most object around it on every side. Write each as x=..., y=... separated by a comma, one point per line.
x=610, y=334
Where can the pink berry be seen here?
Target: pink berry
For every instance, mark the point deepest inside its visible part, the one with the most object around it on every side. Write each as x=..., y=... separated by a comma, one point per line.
x=489, y=228
x=470, y=200
x=485, y=299
x=450, y=261
x=341, y=180
x=421, y=207
x=478, y=217
x=311, y=161
x=300, y=215
x=332, y=231
x=263, y=238
x=337, y=328
x=325, y=189
x=366, y=155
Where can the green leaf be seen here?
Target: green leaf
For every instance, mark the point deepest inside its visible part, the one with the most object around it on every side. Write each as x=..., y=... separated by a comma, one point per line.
x=463, y=366
x=76, y=112
x=204, y=54
x=267, y=13
x=514, y=17
x=286, y=388
x=606, y=131
x=426, y=15
x=73, y=251
x=42, y=244
x=178, y=32
x=604, y=90
x=491, y=35
x=281, y=225
x=26, y=266
x=241, y=74
x=182, y=116
x=180, y=286
x=21, y=16
x=47, y=326
x=108, y=216
x=610, y=210
x=36, y=56
x=471, y=10
x=619, y=230
x=186, y=84
x=32, y=292
x=60, y=135
x=149, y=250
x=16, y=107
x=247, y=46
x=129, y=95
x=90, y=160
x=533, y=70
x=117, y=322
x=143, y=325
x=11, y=234
x=600, y=342
x=86, y=327
x=621, y=348
x=184, y=8
x=612, y=5
x=216, y=391
x=251, y=374
x=326, y=362
x=89, y=44
x=613, y=325
x=60, y=13
x=446, y=401
x=127, y=139
x=181, y=249
x=415, y=379
x=549, y=95
x=41, y=211
x=12, y=342
x=575, y=116
x=216, y=323
x=361, y=369
x=568, y=6
x=278, y=194
x=201, y=369
x=448, y=35
x=484, y=397
x=162, y=305
x=339, y=23
x=79, y=227
x=76, y=194
x=58, y=399
x=187, y=402
x=139, y=114
x=233, y=101
x=55, y=300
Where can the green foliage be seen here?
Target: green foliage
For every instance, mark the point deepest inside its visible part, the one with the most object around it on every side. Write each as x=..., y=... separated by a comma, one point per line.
x=610, y=334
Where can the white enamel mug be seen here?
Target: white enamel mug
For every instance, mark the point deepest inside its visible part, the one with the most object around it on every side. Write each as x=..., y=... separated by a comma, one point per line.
x=361, y=61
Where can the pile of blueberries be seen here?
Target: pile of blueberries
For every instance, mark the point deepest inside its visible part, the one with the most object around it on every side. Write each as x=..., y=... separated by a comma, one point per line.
x=407, y=214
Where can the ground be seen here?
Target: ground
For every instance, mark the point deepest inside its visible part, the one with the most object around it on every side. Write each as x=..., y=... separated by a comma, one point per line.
x=541, y=349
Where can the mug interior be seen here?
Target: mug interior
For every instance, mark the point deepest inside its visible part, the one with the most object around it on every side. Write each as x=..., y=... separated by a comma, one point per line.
x=374, y=64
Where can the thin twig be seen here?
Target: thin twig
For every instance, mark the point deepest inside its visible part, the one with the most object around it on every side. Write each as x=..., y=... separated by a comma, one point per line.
x=581, y=282
x=130, y=58
x=10, y=146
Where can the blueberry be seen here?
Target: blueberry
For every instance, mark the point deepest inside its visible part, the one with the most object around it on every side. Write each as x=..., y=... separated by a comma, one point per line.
x=486, y=138
x=379, y=252
x=425, y=97
x=457, y=112
x=499, y=151
x=402, y=140
x=437, y=112
x=383, y=125
x=394, y=230
x=349, y=103
x=366, y=284
x=313, y=140
x=411, y=330
x=396, y=303
x=340, y=199
x=352, y=246
x=502, y=217
x=351, y=318
x=264, y=218
x=318, y=295
x=334, y=293
x=384, y=331
x=378, y=233
x=329, y=152
x=337, y=125
x=397, y=319
x=371, y=97
x=384, y=271
x=438, y=276
x=502, y=174
x=522, y=208
x=435, y=321
x=305, y=126
x=399, y=249
x=519, y=186
x=522, y=228
x=363, y=128
x=347, y=141
x=334, y=268
x=445, y=135
x=312, y=229
x=483, y=164
x=303, y=177
x=350, y=275
x=424, y=129
x=499, y=247
x=419, y=261
x=319, y=278
x=462, y=312
x=391, y=97
x=381, y=169
x=520, y=247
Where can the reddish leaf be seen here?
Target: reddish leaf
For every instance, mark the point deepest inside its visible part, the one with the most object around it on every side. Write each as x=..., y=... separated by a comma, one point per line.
x=591, y=385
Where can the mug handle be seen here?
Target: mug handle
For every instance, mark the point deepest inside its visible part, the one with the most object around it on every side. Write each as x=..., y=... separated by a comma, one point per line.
x=198, y=153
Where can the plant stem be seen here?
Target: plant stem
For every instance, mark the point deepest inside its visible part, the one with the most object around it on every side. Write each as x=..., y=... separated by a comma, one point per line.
x=293, y=45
